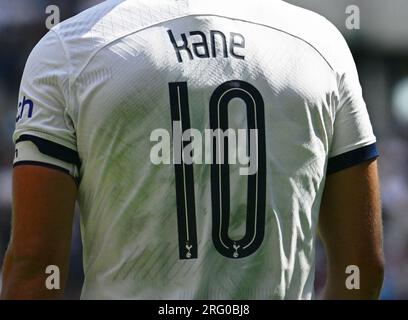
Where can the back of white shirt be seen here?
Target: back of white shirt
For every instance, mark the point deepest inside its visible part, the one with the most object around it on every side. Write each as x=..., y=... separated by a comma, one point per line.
x=98, y=86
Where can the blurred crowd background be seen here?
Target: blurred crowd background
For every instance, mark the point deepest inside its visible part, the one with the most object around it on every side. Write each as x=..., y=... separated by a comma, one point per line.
x=380, y=49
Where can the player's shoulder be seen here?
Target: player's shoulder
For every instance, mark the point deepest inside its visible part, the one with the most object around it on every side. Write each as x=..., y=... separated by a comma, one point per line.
x=68, y=45
x=107, y=20
x=96, y=27
x=84, y=33
x=305, y=25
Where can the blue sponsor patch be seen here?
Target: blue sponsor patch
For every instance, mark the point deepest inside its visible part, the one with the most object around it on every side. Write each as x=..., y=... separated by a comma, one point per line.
x=22, y=106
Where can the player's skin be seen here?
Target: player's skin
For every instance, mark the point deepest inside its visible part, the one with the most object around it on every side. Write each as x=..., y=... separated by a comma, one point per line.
x=350, y=225
x=43, y=208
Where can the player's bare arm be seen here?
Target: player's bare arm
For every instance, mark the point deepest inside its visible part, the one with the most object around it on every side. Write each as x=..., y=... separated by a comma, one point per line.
x=43, y=209
x=351, y=227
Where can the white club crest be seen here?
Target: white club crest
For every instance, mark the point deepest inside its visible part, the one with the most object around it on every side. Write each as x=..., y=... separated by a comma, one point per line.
x=188, y=247
x=236, y=247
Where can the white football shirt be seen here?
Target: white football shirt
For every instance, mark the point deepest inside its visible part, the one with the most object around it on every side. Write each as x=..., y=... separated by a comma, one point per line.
x=96, y=87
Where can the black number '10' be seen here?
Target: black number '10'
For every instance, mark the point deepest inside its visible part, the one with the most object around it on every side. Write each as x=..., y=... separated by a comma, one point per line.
x=220, y=181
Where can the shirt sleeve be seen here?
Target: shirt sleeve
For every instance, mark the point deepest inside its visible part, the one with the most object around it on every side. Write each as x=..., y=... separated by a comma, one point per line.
x=45, y=133
x=353, y=140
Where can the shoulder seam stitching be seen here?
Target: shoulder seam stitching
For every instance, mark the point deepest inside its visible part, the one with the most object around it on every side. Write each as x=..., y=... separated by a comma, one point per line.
x=67, y=58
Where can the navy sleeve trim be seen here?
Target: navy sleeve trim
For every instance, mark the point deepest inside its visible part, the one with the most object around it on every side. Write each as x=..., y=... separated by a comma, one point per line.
x=53, y=149
x=352, y=158
x=41, y=164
